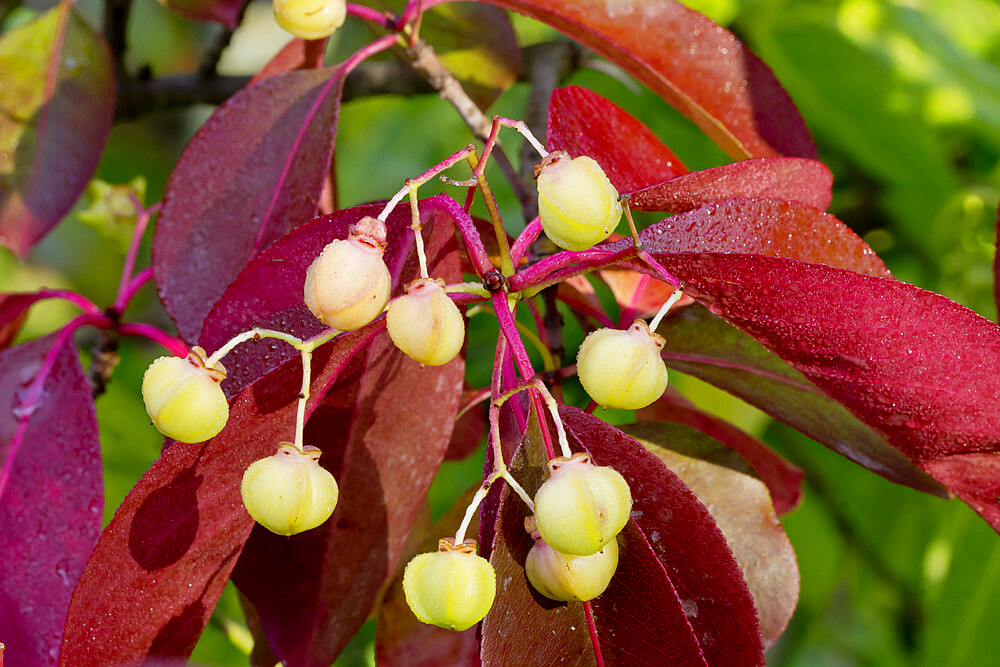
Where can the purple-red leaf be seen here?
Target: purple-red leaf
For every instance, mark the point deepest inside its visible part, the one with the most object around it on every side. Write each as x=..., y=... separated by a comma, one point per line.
x=153, y=580
x=628, y=151
x=741, y=506
x=268, y=292
x=787, y=178
x=226, y=12
x=705, y=346
x=297, y=54
x=56, y=106
x=51, y=494
x=762, y=227
x=917, y=368
x=696, y=65
x=253, y=171
x=996, y=269
x=783, y=480
x=384, y=428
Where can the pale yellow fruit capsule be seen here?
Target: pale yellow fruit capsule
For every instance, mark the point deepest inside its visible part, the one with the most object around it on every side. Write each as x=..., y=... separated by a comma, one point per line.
x=289, y=492
x=310, y=19
x=452, y=588
x=581, y=507
x=623, y=368
x=563, y=577
x=577, y=205
x=184, y=398
x=348, y=284
x=425, y=323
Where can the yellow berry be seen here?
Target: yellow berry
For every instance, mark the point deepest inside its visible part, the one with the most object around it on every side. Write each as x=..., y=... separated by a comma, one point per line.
x=564, y=577
x=348, y=284
x=184, y=398
x=452, y=588
x=581, y=507
x=289, y=492
x=622, y=369
x=310, y=19
x=426, y=324
x=577, y=205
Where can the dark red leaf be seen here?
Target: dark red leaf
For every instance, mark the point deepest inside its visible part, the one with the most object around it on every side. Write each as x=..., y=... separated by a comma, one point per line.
x=51, y=494
x=297, y=54
x=13, y=313
x=471, y=425
x=153, y=580
x=628, y=151
x=764, y=227
x=787, y=178
x=384, y=427
x=253, y=171
x=741, y=506
x=916, y=367
x=685, y=539
x=783, y=480
x=705, y=346
x=268, y=292
x=226, y=12
x=696, y=65
x=58, y=100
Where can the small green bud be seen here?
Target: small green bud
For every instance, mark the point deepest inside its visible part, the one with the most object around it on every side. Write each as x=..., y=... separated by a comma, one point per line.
x=577, y=205
x=452, y=588
x=581, y=507
x=289, y=492
x=310, y=19
x=622, y=369
x=184, y=398
x=564, y=577
x=426, y=324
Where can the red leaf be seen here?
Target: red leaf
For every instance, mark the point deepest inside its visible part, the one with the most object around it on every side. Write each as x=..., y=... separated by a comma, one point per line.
x=154, y=578
x=226, y=12
x=694, y=64
x=312, y=593
x=297, y=54
x=700, y=344
x=741, y=506
x=996, y=269
x=51, y=494
x=252, y=172
x=628, y=151
x=762, y=227
x=471, y=425
x=13, y=313
x=783, y=480
x=58, y=100
x=685, y=539
x=916, y=367
x=791, y=179
x=268, y=292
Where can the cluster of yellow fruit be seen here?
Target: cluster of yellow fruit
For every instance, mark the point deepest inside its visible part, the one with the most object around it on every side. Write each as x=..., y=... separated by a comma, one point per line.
x=579, y=511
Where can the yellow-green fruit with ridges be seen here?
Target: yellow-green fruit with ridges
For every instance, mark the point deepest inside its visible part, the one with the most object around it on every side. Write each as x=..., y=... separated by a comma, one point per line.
x=289, y=492
x=310, y=19
x=426, y=324
x=577, y=205
x=581, y=507
x=452, y=588
x=348, y=284
x=622, y=368
x=183, y=397
x=565, y=577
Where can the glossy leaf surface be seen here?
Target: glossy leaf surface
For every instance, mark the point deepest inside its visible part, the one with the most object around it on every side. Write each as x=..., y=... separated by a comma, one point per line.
x=783, y=480
x=154, y=578
x=268, y=292
x=697, y=66
x=914, y=366
x=700, y=344
x=226, y=12
x=56, y=105
x=51, y=495
x=253, y=171
x=741, y=506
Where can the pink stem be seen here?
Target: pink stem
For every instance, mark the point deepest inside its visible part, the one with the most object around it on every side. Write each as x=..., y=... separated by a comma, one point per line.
x=584, y=309
x=543, y=333
x=590, y=407
x=382, y=19
x=85, y=304
x=133, y=286
x=586, y=260
x=510, y=373
x=171, y=343
x=474, y=245
x=589, y=613
x=662, y=272
x=141, y=222
x=525, y=239
x=34, y=393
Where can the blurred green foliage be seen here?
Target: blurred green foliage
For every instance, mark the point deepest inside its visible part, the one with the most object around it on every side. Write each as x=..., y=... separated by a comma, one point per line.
x=904, y=101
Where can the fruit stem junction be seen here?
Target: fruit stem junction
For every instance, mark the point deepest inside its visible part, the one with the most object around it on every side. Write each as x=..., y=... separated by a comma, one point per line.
x=676, y=296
